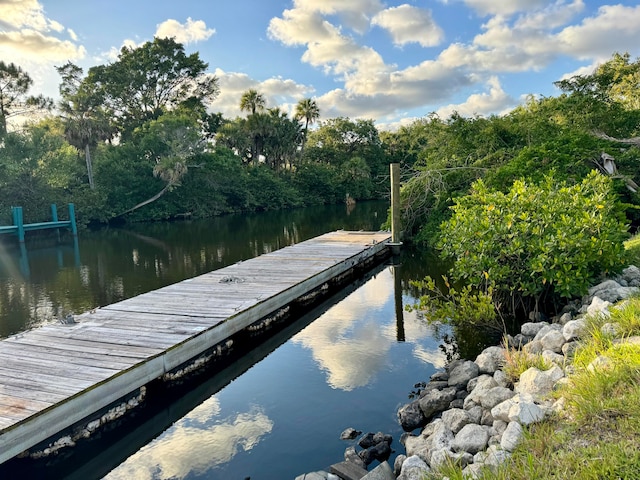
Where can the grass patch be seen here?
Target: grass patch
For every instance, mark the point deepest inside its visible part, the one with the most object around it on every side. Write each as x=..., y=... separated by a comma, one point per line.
x=519, y=361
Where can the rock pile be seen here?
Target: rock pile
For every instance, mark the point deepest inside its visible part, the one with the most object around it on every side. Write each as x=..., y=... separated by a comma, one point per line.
x=473, y=415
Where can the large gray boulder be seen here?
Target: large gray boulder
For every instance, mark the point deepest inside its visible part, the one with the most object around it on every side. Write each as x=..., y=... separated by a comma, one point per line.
x=539, y=383
x=446, y=456
x=411, y=416
x=511, y=437
x=531, y=329
x=496, y=457
x=381, y=472
x=598, y=307
x=573, y=329
x=414, y=468
x=462, y=373
x=553, y=340
x=442, y=437
x=631, y=275
x=494, y=396
x=472, y=438
x=455, y=419
x=483, y=384
x=419, y=445
x=526, y=412
x=546, y=329
x=436, y=401
x=610, y=291
x=491, y=359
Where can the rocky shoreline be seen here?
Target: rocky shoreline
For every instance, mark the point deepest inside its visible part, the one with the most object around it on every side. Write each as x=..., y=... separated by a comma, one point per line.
x=472, y=413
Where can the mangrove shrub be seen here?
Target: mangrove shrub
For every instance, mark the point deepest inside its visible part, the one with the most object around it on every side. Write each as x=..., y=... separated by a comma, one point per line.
x=537, y=243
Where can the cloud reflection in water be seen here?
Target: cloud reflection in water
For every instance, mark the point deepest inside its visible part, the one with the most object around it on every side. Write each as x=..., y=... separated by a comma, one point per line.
x=194, y=444
x=349, y=343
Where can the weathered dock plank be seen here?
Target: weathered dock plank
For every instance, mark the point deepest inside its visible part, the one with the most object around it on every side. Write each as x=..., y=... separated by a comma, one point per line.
x=54, y=376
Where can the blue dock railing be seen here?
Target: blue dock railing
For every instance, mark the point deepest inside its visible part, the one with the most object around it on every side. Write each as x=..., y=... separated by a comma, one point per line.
x=20, y=228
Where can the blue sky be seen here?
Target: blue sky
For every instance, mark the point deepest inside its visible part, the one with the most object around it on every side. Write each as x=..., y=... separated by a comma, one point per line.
x=392, y=61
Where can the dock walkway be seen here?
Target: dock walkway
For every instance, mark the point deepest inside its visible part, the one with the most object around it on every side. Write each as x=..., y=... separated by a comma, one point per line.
x=54, y=376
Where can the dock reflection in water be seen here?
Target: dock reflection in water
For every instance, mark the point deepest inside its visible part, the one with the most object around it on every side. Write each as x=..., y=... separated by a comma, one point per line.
x=284, y=415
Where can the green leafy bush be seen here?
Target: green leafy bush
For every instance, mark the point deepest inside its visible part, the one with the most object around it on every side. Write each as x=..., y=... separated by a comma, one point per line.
x=536, y=243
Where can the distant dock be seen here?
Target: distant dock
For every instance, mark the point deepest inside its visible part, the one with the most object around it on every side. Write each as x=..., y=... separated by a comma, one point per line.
x=19, y=228
x=55, y=376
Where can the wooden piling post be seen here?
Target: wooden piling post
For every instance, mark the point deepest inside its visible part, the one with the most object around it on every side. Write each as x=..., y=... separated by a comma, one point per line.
x=72, y=219
x=395, y=208
x=54, y=218
x=18, y=221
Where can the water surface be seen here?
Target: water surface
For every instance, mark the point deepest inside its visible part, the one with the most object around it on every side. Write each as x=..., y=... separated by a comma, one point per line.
x=275, y=411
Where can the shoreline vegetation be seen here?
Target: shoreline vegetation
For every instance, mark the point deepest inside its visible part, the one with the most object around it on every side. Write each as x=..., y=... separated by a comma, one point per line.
x=598, y=433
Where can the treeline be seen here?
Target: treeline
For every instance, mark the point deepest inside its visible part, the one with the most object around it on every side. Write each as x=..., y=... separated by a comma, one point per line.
x=135, y=139
x=593, y=124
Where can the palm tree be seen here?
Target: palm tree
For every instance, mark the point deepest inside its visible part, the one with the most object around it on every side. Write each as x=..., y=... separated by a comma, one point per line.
x=84, y=130
x=85, y=120
x=282, y=143
x=252, y=101
x=307, y=108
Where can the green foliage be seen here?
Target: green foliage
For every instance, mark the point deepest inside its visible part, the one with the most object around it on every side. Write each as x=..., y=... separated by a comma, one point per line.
x=536, y=243
x=149, y=80
x=339, y=140
x=14, y=99
x=462, y=306
x=317, y=182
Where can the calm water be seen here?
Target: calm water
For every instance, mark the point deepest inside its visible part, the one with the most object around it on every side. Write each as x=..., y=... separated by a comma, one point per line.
x=274, y=412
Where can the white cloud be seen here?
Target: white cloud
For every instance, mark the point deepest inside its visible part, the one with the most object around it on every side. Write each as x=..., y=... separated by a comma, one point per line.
x=504, y=7
x=356, y=14
x=495, y=100
x=190, y=32
x=33, y=46
x=23, y=13
x=348, y=346
x=408, y=24
x=352, y=348
x=277, y=92
x=614, y=28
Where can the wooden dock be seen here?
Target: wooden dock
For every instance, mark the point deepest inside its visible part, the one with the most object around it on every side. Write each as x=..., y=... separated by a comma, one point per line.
x=54, y=376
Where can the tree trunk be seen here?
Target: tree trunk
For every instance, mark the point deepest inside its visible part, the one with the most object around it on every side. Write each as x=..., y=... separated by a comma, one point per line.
x=146, y=202
x=87, y=156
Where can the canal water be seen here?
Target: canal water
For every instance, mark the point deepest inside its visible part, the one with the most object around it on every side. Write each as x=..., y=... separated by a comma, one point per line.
x=277, y=409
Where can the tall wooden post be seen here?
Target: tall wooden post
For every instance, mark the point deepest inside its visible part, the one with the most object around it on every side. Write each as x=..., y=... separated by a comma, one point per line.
x=395, y=208
x=54, y=218
x=18, y=221
x=72, y=220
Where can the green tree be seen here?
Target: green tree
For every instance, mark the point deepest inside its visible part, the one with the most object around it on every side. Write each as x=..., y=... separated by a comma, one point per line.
x=281, y=145
x=14, y=101
x=148, y=81
x=258, y=125
x=308, y=110
x=169, y=143
x=252, y=101
x=235, y=135
x=86, y=122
